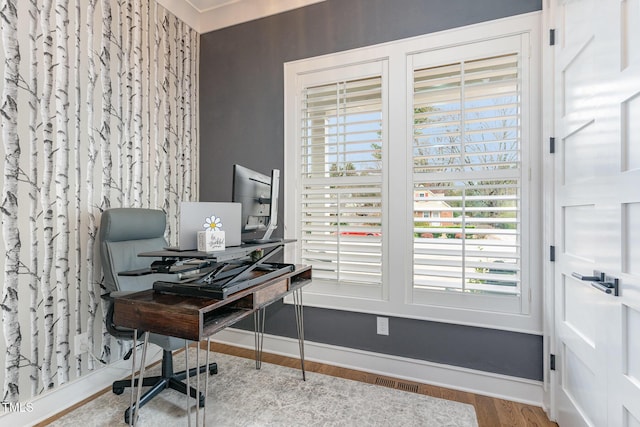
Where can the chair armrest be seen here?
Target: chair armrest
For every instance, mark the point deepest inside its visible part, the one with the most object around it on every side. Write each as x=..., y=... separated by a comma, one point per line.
x=115, y=294
x=116, y=331
x=138, y=272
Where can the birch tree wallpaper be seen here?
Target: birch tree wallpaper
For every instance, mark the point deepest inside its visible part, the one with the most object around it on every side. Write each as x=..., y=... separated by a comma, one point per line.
x=99, y=109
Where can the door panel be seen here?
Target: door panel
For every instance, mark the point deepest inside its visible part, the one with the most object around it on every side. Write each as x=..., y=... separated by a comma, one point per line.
x=582, y=323
x=581, y=149
x=575, y=24
x=631, y=133
x=578, y=239
x=597, y=212
x=630, y=32
x=579, y=383
x=631, y=233
x=630, y=375
x=631, y=321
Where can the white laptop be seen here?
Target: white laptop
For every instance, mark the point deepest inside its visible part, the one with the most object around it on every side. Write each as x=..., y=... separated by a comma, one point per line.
x=198, y=216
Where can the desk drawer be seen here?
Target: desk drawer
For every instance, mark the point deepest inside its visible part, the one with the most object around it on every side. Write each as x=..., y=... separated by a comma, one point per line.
x=270, y=293
x=153, y=317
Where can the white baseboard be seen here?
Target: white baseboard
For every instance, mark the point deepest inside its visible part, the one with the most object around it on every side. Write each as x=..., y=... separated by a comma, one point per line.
x=50, y=403
x=463, y=379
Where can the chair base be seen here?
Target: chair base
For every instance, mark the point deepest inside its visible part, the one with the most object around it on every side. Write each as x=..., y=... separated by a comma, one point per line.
x=168, y=379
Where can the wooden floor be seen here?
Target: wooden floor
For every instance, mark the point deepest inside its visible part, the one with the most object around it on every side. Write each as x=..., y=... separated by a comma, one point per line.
x=491, y=412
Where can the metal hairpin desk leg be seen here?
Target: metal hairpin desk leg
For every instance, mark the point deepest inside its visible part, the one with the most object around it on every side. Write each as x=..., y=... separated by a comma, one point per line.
x=133, y=377
x=186, y=362
x=206, y=373
x=258, y=323
x=133, y=409
x=297, y=303
x=197, y=384
x=141, y=375
x=206, y=384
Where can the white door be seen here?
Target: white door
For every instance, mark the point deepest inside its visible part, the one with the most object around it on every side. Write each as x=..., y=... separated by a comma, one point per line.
x=597, y=212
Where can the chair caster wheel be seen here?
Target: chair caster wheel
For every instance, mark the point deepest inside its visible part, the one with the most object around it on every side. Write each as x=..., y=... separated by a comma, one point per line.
x=201, y=401
x=118, y=390
x=127, y=416
x=213, y=369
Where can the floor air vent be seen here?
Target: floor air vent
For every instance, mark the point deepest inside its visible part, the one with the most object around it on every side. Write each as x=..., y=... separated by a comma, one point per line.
x=385, y=382
x=408, y=387
x=399, y=385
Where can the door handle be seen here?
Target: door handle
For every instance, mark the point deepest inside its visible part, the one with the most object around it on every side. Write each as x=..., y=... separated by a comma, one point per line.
x=600, y=281
x=609, y=286
x=597, y=276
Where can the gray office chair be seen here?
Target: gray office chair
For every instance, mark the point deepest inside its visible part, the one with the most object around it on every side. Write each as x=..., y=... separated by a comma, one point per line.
x=124, y=233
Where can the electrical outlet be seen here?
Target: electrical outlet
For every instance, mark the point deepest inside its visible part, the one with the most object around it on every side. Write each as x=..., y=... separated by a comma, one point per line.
x=383, y=325
x=81, y=344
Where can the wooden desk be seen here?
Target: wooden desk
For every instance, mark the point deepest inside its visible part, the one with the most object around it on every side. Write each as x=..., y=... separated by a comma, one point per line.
x=198, y=318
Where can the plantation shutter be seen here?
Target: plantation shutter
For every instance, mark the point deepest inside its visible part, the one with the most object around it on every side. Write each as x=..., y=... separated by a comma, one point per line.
x=467, y=176
x=341, y=181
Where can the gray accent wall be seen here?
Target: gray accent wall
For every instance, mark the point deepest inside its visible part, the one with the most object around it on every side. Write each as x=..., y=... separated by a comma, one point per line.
x=242, y=121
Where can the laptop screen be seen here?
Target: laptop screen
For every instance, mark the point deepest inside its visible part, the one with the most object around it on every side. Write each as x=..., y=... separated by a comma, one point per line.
x=200, y=216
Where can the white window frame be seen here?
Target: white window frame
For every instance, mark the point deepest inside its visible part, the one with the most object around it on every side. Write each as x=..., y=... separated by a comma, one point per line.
x=396, y=297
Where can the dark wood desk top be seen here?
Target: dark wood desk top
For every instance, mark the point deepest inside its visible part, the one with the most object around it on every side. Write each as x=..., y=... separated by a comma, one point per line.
x=196, y=318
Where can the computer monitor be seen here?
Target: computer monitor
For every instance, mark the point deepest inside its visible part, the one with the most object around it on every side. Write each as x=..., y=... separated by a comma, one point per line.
x=258, y=195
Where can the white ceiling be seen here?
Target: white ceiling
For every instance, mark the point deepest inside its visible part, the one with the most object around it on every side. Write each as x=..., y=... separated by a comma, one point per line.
x=209, y=15
x=204, y=5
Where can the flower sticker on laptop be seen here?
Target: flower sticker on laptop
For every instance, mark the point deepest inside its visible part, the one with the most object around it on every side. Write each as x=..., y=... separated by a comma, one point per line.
x=213, y=223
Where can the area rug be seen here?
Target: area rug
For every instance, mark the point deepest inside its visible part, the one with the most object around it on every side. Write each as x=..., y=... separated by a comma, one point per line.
x=240, y=395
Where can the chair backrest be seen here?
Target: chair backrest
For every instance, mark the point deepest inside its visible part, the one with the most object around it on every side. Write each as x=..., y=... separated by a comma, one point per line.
x=124, y=233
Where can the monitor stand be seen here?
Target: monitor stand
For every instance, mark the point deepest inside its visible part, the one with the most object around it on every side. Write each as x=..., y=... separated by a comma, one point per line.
x=259, y=241
x=266, y=237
